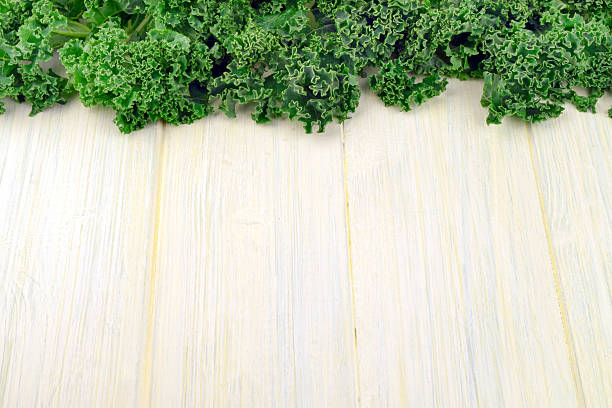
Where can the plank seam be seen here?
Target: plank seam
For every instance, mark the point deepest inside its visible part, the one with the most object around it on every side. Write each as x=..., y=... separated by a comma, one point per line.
x=146, y=375
x=569, y=341
x=350, y=266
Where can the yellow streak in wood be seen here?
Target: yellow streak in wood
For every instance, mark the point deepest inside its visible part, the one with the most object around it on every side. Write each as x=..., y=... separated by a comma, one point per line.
x=76, y=276
x=74, y=286
x=7, y=351
x=569, y=341
x=291, y=169
x=145, y=388
x=350, y=266
x=186, y=361
x=421, y=209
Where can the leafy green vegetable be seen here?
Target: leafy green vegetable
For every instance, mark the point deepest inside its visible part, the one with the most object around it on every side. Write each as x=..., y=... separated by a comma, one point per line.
x=179, y=60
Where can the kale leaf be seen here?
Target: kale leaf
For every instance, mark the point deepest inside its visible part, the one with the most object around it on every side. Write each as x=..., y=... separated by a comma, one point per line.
x=179, y=60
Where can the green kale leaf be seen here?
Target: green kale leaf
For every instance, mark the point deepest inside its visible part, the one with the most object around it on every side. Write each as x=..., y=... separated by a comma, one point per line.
x=179, y=60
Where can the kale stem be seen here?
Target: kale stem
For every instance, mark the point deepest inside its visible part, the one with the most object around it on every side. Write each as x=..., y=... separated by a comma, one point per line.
x=140, y=26
x=71, y=34
x=85, y=27
x=324, y=27
x=80, y=34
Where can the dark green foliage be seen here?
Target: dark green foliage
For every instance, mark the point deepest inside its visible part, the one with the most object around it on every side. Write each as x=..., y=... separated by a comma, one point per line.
x=25, y=30
x=174, y=60
x=143, y=81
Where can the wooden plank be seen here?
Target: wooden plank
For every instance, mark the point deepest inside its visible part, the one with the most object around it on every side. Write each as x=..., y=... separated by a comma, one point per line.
x=573, y=159
x=76, y=199
x=252, y=291
x=454, y=291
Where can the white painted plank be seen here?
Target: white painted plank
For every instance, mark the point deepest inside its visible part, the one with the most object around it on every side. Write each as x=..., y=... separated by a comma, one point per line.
x=252, y=290
x=573, y=158
x=76, y=200
x=230, y=284
x=454, y=290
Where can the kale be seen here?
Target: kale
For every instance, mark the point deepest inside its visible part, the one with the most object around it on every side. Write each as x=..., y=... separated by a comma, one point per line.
x=180, y=60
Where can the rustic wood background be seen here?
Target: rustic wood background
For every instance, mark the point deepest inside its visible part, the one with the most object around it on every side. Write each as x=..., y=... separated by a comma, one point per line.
x=401, y=259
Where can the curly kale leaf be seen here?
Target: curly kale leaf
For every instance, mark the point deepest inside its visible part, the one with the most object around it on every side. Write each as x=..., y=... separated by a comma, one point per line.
x=25, y=45
x=395, y=87
x=536, y=73
x=142, y=81
x=176, y=60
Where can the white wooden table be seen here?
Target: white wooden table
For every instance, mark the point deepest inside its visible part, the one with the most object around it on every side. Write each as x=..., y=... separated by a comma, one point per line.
x=403, y=259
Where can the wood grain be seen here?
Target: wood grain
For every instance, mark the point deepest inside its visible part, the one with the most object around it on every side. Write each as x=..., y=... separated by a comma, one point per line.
x=252, y=286
x=76, y=201
x=403, y=259
x=573, y=158
x=453, y=281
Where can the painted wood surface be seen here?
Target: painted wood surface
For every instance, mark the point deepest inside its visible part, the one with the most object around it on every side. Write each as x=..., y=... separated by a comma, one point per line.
x=76, y=203
x=453, y=280
x=573, y=161
x=401, y=259
x=252, y=300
